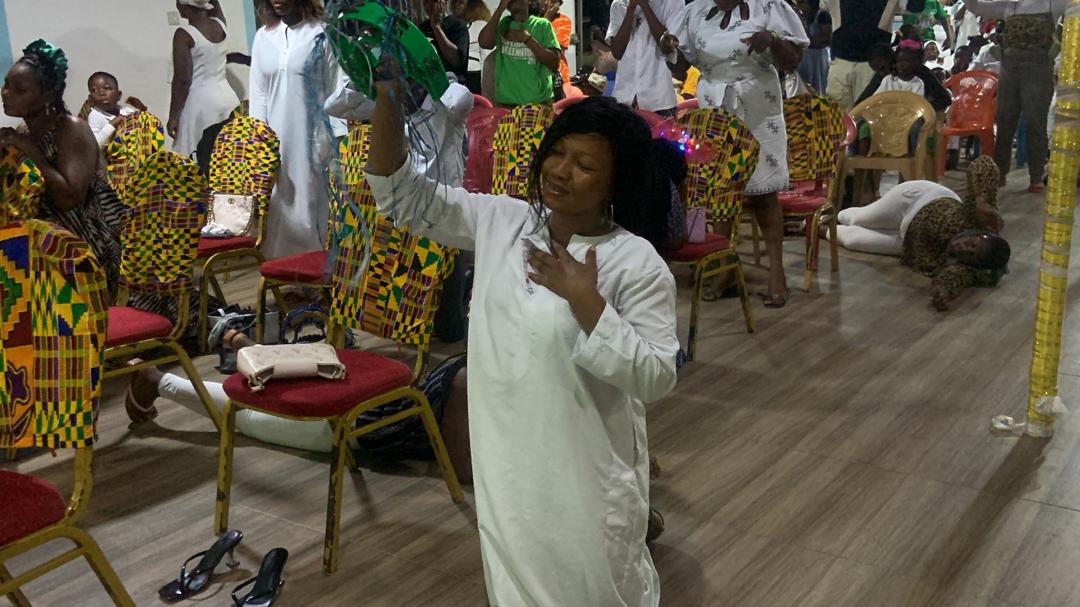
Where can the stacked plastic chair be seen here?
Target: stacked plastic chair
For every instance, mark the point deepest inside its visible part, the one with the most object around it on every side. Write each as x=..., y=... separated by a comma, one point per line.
x=52, y=341
x=309, y=269
x=21, y=186
x=385, y=282
x=517, y=137
x=161, y=237
x=139, y=136
x=816, y=133
x=244, y=162
x=891, y=116
x=717, y=186
x=972, y=113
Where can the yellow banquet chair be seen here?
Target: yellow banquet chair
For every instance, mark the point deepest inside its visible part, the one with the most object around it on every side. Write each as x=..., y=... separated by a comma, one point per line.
x=52, y=341
x=385, y=282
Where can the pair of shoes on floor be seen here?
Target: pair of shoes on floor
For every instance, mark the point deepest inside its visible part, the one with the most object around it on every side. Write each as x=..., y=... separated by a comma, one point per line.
x=265, y=586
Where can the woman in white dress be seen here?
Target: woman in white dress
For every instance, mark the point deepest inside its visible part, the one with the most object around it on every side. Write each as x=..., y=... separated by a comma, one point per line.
x=201, y=95
x=737, y=46
x=292, y=74
x=567, y=342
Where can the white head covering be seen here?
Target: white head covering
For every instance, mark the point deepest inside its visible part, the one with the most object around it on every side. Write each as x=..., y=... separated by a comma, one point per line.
x=202, y=4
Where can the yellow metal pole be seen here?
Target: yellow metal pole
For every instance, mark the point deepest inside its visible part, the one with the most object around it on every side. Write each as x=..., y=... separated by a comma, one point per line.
x=1043, y=399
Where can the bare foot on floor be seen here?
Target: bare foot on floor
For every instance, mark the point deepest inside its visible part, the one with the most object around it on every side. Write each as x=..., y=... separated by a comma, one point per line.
x=141, y=394
x=236, y=340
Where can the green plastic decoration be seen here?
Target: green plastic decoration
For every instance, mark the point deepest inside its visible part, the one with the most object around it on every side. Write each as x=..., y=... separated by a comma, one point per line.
x=358, y=38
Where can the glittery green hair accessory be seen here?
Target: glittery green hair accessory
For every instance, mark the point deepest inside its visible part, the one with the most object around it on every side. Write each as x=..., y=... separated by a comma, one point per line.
x=360, y=33
x=52, y=61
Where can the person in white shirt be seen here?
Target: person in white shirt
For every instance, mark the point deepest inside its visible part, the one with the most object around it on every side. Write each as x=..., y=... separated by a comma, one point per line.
x=106, y=111
x=638, y=33
x=1026, y=85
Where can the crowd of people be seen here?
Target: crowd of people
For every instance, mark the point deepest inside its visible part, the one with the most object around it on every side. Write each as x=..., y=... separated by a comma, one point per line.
x=585, y=325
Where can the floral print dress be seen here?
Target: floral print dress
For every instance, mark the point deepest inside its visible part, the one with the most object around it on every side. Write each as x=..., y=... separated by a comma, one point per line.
x=744, y=83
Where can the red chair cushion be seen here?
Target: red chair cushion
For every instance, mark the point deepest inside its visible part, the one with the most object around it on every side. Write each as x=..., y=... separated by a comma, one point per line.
x=29, y=504
x=693, y=251
x=800, y=203
x=128, y=325
x=210, y=246
x=299, y=268
x=367, y=376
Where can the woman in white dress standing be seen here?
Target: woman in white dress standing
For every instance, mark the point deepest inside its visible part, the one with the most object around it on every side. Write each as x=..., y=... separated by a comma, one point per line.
x=292, y=74
x=572, y=331
x=738, y=46
x=201, y=94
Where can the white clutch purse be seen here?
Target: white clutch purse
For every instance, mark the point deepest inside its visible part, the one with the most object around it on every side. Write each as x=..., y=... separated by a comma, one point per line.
x=233, y=213
x=260, y=364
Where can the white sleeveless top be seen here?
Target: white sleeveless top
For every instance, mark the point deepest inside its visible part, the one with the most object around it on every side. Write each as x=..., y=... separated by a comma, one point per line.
x=210, y=99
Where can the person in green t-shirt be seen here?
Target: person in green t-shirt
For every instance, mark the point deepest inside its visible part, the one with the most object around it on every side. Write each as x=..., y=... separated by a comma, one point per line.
x=933, y=13
x=527, y=54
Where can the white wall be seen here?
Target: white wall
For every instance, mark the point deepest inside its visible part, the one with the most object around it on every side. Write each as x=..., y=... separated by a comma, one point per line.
x=131, y=39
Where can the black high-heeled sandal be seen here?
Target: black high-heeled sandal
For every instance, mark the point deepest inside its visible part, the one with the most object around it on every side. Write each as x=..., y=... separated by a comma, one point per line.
x=267, y=584
x=195, y=581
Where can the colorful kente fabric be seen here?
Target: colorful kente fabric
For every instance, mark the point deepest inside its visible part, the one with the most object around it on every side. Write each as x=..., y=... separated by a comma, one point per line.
x=517, y=137
x=815, y=129
x=347, y=184
x=21, y=186
x=245, y=162
x=718, y=184
x=386, y=281
x=53, y=314
x=139, y=136
x=161, y=228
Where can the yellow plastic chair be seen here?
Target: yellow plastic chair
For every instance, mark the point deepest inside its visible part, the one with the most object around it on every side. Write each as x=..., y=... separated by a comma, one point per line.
x=52, y=340
x=891, y=116
x=385, y=282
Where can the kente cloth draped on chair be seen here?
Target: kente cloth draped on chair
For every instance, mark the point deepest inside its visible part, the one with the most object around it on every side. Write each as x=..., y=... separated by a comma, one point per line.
x=21, y=186
x=52, y=327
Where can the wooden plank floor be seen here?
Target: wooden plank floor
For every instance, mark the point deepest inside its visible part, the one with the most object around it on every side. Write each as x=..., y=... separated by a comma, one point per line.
x=839, y=456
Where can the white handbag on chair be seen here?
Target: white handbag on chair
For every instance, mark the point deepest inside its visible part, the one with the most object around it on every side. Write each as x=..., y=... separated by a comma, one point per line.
x=231, y=212
x=260, y=364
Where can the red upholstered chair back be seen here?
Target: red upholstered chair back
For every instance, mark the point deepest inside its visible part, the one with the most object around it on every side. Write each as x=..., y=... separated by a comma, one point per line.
x=53, y=315
x=480, y=161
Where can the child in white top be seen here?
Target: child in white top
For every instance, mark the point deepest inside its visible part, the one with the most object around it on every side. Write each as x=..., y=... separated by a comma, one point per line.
x=107, y=111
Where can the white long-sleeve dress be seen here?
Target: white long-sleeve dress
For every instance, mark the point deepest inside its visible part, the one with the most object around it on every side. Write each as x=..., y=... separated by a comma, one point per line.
x=288, y=86
x=556, y=415
x=210, y=98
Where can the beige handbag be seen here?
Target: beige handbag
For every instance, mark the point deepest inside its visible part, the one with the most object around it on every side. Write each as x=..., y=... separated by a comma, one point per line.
x=260, y=364
x=233, y=212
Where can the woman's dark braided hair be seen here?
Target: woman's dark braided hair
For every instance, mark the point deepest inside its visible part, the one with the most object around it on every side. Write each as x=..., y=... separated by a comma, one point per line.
x=634, y=199
x=50, y=66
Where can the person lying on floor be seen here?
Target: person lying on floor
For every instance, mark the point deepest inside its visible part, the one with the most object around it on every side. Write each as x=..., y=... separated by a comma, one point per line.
x=935, y=231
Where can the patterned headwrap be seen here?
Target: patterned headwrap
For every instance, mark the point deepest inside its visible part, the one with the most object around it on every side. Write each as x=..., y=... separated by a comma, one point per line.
x=982, y=179
x=51, y=61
